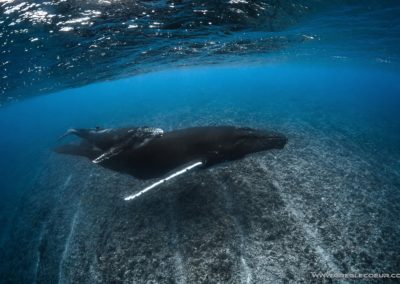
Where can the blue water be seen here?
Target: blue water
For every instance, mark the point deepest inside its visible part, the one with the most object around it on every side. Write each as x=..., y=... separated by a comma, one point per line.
x=327, y=76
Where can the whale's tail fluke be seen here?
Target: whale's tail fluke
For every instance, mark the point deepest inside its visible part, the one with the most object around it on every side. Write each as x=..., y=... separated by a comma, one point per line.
x=68, y=132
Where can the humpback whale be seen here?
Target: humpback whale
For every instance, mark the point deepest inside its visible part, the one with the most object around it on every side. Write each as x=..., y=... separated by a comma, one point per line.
x=148, y=153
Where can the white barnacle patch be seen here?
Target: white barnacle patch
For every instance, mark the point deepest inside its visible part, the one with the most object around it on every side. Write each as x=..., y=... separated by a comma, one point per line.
x=158, y=131
x=153, y=131
x=178, y=173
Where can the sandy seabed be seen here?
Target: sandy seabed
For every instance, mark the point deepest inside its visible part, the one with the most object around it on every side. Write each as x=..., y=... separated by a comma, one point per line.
x=322, y=204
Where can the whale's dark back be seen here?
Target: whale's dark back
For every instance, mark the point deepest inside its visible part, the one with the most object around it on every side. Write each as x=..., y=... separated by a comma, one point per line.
x=211, y=145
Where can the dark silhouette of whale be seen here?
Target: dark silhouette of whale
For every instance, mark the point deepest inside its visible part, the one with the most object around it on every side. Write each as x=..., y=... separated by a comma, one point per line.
x=150, y=153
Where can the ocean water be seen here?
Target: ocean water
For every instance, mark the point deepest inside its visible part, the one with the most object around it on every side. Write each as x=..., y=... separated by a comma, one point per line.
x=324, y=74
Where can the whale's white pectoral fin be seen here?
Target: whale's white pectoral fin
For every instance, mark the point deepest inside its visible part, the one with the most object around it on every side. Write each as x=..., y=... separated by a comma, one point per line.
x=178, y=173
x=107, y=155
x=142, y=141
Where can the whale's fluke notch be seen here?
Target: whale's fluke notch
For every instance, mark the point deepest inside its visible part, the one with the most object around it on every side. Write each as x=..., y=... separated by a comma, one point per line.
x=154, y=185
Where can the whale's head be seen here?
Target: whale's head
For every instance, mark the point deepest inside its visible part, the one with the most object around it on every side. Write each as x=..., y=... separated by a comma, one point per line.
x=248, y=140
x=259, y=140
